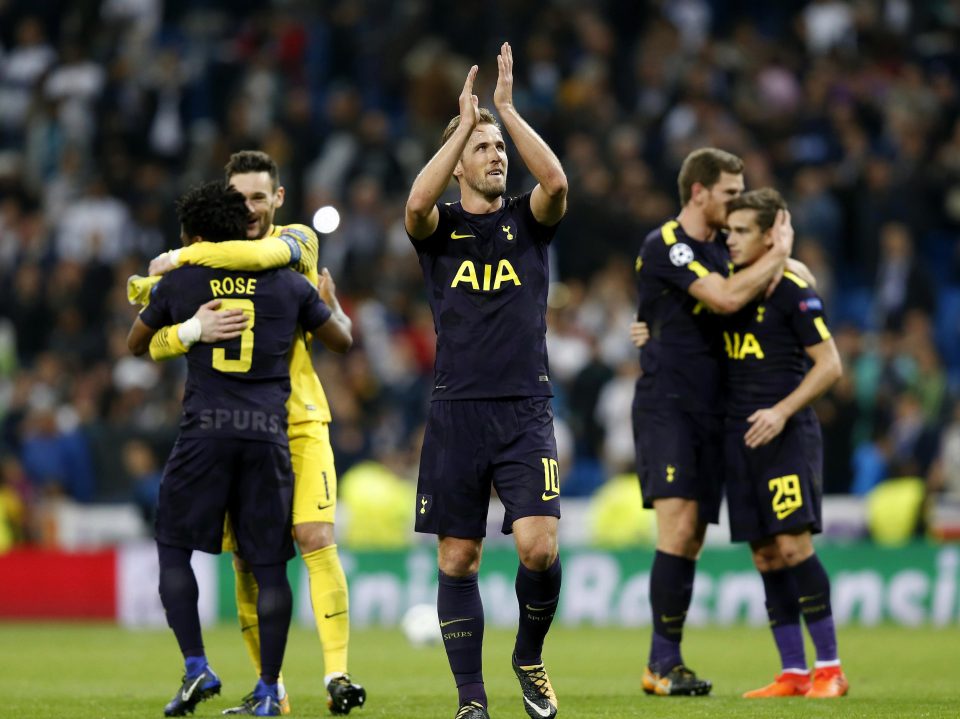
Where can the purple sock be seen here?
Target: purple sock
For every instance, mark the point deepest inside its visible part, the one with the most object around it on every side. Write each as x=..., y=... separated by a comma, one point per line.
x=461, y=624
x=784, y=613
x=813, y=591
x=671, y=588
x=538, y=594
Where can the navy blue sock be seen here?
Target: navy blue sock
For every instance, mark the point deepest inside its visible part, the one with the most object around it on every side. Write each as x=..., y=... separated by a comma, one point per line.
x=274, y=609
x=538, y=594
x=195, y=665
x=813, y=590
x=461, y=624
x=263, y=689
x=783, y=609
x=179, y=595
x=671, y=589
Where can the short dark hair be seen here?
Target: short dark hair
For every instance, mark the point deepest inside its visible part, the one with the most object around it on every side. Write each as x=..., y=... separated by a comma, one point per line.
x=486, y=118
x=704, y=166
x=766, y=202
x=252, y=161
x=213, y=211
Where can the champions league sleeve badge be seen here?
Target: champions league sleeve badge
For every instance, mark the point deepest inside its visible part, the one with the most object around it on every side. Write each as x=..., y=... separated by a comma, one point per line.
x=681, y=255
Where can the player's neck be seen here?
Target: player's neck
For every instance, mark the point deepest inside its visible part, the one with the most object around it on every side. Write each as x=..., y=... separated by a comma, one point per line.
x=477, y=204
x=695, y=225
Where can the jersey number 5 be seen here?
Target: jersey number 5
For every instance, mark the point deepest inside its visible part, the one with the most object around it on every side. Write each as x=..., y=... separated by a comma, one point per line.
x=243, y=364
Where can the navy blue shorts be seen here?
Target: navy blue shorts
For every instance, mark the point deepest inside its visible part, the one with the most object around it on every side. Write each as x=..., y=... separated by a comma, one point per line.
x=206, y=478
x=776, y=488
x=680, y=454
x=470, y=445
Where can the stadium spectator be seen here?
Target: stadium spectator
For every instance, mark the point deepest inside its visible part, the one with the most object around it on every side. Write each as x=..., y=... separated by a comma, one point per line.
x=865, y=96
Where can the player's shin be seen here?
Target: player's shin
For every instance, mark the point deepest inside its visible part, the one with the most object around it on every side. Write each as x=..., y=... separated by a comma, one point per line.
x=328, y=595
x=179, y=595
x=247, y=593
x=671, y=589
x=538, y=594
x=813, y=589
x=783, y=609
x=274, y=610
x=460, y=611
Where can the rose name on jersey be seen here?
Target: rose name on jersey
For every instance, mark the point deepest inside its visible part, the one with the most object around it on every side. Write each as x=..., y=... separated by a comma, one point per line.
x=233, y=286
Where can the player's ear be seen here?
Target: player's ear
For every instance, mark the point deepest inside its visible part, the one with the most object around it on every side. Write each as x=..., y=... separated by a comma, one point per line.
x=458, y=170
x=696, y=190
x=281, y=193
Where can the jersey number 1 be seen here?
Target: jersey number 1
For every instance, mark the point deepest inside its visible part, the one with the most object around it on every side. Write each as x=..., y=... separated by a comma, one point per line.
x=243, y=364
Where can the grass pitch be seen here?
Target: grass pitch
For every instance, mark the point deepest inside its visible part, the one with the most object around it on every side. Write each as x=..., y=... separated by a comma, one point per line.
x=99, y=671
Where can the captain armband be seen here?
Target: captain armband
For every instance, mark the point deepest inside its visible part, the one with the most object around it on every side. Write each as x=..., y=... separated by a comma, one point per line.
x=289, y=237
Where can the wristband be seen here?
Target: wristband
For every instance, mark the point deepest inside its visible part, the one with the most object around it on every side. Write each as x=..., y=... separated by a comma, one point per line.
x=189, y=332
x=174, y=256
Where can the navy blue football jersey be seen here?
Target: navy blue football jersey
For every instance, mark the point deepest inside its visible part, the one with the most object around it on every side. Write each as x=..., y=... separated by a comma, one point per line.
x=487, y=278
x=764, y=345
x=238, y=388
x=680, y=363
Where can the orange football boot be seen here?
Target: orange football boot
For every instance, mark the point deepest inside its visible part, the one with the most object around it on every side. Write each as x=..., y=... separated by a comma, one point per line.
x=828, y=683
x=787, y=684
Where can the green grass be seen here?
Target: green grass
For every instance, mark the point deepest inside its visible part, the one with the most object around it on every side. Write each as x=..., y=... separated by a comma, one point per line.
x=100, y=671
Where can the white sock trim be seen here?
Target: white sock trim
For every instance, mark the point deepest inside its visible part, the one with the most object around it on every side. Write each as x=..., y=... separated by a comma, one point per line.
x=831, y=663
x=330, y=677
x=793, y=670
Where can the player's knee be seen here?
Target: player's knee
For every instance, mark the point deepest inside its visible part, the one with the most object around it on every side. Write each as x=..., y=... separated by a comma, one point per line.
x=767, y=558
x=684, y=540
x=312, y=536
x=459, y=560
x=538, y=555
x=794, y=553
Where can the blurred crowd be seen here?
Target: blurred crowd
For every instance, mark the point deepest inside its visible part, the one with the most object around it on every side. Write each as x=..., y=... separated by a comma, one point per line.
x=109, y=109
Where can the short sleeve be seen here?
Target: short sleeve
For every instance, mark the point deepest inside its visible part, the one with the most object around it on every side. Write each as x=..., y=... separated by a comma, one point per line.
x=674, y=261
x=439, y=237
x=542, y=234
x=313, y=311
x=807, y=319
x=159, y=312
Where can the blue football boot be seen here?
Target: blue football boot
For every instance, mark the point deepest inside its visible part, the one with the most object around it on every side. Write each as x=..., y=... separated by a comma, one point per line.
x=194, y=690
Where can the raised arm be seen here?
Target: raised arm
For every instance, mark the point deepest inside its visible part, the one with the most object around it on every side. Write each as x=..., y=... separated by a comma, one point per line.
x=421, y=216
x=726, y=295
x=549, y=200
